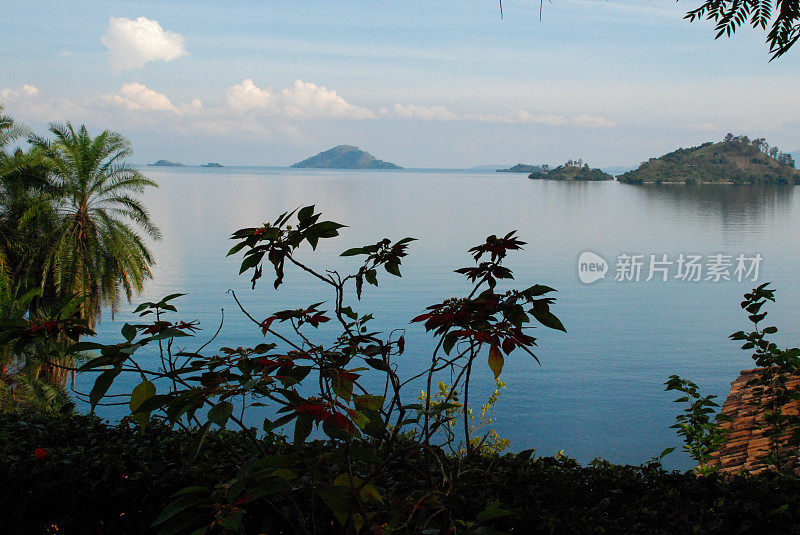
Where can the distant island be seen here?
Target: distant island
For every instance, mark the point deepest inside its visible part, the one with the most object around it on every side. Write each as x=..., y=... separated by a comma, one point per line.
x=165, y=163
x=572, y=170
x=486, y=167
x=735, y=160
x=212, y=164
x=345, y=157
x=523, y=168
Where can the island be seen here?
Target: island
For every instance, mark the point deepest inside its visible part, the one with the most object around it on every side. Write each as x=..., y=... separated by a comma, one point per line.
x=524, y=168
x=212, y=164
x=165, y=163
x=345, y=157
x=735, y=160
x=575, y=170
x=486, y=167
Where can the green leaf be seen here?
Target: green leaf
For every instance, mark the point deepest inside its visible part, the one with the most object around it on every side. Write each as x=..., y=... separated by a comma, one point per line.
x=547, y=318
x=370, y=493
x=305, y=213
x=537, y=290
x=181, y=503
x=393, y=268
x=98, y=362
x=250, y=261
x=269, y=425
x=199, y=438
x=101, y=386
x=378, y=364
x=449, y=341
x=343, y=388
x=220, y=413
x=84, y=346
x=302, y=428
x=354, y=251
x=129, y=332
x=236, y=248
x=339, y=501
x=492, y=512
x=496, y=361
x=326, y=229
x=143, y=391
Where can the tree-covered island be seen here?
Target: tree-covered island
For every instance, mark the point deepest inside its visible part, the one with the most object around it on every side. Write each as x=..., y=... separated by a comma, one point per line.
x=165, y=163
x=735, y=160
x=345, y=157
x=572, y=170
x=524, y=168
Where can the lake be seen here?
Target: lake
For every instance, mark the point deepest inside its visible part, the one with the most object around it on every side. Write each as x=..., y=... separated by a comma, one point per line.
x=599, y=389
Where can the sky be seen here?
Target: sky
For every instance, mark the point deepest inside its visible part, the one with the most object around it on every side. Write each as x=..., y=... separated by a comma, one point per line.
x=421, y=83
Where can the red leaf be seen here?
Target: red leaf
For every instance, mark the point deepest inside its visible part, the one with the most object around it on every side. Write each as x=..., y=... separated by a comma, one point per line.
x=266, y=324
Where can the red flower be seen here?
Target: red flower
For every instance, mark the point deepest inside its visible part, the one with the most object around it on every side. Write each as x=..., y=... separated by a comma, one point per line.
x=155, y=328
x=264, y=362
x=40, y=453
x=44, y=325
x=317, y=410
x=342, y=422
x=347, y=376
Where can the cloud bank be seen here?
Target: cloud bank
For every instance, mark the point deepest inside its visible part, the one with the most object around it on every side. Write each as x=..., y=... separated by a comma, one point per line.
x=136, y=96
x=133, y=43
x=247, y=109
x=302, y=101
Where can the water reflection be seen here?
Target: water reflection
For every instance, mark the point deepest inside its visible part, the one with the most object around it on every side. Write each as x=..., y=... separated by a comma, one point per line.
x=599, y=391
x=733, y=205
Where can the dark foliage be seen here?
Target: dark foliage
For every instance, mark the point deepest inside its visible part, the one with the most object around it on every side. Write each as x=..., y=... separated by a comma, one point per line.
x=782, y=17
x=84, y=476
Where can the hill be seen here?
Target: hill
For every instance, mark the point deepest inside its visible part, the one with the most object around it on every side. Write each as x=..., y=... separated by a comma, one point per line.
x=211, y=164
x=165, y=163
x=736, y=160
x=522, y=168
x=345, y=157
x=572, y=170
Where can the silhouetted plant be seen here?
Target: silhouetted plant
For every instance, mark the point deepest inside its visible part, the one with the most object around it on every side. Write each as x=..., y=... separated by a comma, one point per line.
x=771, y=385
x=308, y=381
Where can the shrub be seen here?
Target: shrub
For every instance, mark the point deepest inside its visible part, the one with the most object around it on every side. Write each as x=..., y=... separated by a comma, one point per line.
x=306, y=381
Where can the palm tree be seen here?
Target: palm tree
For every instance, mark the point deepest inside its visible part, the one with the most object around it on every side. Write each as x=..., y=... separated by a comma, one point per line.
x=9, y=131
x=95, y=253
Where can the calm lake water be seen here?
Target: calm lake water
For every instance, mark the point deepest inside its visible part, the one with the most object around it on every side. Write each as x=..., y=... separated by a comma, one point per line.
x=599, y=390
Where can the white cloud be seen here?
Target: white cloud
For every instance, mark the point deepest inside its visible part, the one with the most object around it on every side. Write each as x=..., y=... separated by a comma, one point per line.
x=440, y=113
x=425, y=113
x=306, y=100
x=705, y=127
x=247, y=96
x=24, y=92
x=132, y=43
x=548, y=119
x=591, y=121
x=135, y=96
x=25, y=103
x=193, y=107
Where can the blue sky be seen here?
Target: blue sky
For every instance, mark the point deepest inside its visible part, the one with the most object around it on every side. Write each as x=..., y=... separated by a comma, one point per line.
x=419, y=83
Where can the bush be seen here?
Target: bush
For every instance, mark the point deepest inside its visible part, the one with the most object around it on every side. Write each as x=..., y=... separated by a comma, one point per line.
x=99, y=478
